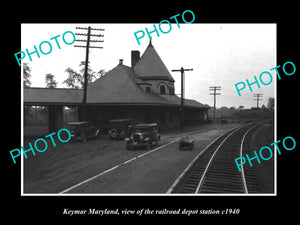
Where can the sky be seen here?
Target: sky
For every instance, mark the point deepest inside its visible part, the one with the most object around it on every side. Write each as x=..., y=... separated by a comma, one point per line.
x=219, y=54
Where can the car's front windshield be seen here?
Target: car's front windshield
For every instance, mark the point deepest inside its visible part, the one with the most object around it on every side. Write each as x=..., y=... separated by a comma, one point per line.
x=72, y=126
x=142, y=129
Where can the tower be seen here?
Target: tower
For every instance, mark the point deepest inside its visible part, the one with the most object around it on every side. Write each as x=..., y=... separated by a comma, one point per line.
x=151, y=69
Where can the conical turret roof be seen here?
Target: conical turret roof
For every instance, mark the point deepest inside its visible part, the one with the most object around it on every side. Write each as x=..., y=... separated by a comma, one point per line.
x=150, y=66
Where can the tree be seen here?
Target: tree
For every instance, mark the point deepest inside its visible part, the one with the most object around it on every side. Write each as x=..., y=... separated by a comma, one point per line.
x=240, y=108
x=271, y=103
x=26, y=83
x=75, y=80
x=224, y=108
x=26, y=75
x=263, y=107
x=49, y=80
x=101, y=72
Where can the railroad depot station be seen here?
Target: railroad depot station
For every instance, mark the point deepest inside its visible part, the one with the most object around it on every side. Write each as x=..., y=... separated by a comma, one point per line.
x=143, y=92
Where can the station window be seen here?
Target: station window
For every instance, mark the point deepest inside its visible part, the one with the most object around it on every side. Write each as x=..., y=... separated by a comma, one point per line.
x=162, y=90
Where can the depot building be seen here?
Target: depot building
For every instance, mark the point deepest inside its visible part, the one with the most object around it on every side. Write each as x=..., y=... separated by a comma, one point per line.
x=143, y=92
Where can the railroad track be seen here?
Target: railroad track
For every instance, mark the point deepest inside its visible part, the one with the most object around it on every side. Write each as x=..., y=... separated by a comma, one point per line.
x=215, y=170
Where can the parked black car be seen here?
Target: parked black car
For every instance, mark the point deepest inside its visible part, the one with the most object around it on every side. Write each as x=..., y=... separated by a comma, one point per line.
x=82, y=130
x=145, y=134
x=120, y=128
x=186, y=142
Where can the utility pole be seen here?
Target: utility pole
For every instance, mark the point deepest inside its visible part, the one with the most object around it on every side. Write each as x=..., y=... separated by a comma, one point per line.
x=182, y=96
x=257, y=97
x=215, y=89
x=87, y=46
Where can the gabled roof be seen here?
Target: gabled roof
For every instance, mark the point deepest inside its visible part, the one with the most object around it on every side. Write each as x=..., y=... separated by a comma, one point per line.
x=52, y=96
x=150, y=66
x=174, y=99
x=118, y=86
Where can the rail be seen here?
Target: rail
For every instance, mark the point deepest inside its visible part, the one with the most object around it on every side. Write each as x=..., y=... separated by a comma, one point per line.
x=215, y=171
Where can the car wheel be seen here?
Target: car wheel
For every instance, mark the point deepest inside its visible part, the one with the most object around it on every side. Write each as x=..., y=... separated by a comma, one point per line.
x=114, y=133
x=84, y=137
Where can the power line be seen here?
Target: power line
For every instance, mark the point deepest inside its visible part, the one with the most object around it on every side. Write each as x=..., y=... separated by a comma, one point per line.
x=87, y=46
x=102, y=61
x=257, y=97
x=181, y=70
x=215, y=89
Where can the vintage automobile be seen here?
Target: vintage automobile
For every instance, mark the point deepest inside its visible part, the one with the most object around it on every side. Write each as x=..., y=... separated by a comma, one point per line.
x=82, y=130
x=120, y=128
x=144, y=135
x=186, y=142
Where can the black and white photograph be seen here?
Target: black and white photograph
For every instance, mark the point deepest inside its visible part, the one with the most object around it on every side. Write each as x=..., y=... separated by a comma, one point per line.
x=175, y=114
x=141, y=111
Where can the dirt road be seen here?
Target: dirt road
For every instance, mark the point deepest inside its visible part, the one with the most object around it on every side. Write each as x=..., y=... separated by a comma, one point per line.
x=104, y=166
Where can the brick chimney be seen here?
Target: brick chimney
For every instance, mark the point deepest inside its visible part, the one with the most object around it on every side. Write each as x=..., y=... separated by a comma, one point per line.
x=135, y=57
x=120, y=61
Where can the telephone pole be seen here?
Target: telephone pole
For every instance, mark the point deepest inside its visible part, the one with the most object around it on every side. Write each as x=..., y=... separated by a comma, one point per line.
x=87, y=46
x=215, y=89
x=182, y=95
x=257, y=97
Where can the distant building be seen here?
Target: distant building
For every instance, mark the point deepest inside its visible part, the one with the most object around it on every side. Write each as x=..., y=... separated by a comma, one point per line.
x=144, y=92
